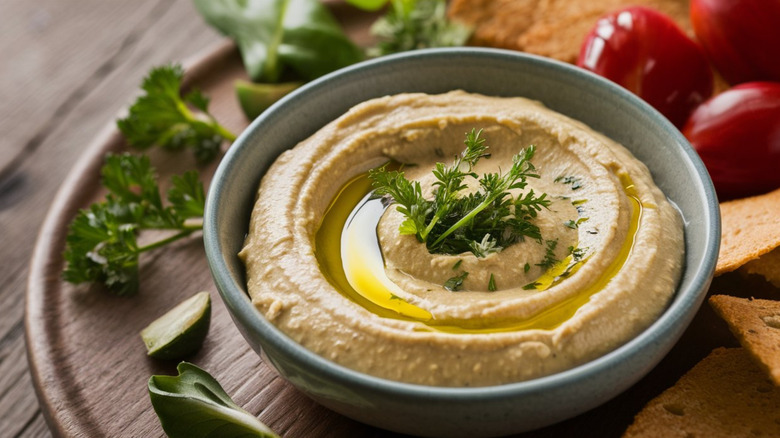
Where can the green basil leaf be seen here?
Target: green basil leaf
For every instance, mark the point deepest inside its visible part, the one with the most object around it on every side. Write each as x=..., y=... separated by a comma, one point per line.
x=194, y=405
x=276, y=35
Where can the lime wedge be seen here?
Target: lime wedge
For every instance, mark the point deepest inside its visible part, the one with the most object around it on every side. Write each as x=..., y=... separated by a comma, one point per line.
x=255, y=98
x=181, y=331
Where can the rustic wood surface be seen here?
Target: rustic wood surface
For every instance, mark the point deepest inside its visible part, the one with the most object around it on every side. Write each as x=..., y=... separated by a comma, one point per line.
x=71, y=67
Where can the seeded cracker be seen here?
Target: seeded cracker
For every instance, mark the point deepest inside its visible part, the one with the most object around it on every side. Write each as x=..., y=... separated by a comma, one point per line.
x=554, y=28
x=724, y=395
x=750, y=229
x=756, y=324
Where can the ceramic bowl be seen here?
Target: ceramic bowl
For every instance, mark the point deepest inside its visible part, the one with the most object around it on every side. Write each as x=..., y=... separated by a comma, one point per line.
x=482, y=411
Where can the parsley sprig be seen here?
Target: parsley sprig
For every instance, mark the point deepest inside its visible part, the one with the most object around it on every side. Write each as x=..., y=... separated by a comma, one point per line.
x=102, y=244
x=483, y=221
x=163, y=117
x=416, y=24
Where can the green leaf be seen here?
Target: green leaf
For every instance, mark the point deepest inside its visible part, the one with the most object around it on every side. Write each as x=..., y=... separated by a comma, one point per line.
x=194, y=405
x=101, y=244
x=279, y=35
x=492, y=283
x=483, y=221
x=186, y=195
x=101, y=248
x=368, y=5
x=256, y=98
x=411, y=25
x=454, y=284
x=549, y=256
x=161, y=117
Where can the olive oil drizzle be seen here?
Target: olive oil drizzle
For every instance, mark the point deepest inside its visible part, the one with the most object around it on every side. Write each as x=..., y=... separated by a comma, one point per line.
x=370, y=288
x=327, y=249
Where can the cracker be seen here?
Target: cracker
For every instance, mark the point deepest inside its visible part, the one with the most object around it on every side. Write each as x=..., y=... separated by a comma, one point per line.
x=756, y=324
x=750, y=229
x=767, y=266
x=724, y=395
x=553, y=28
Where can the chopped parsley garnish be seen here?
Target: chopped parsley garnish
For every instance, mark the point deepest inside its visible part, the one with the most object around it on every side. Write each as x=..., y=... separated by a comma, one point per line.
x=457, y=265
x=492, y=283
x=455, y=283
x=573, y=181
x=526, y=268
x=163, y=117
x=575, y=224
x=101, y=245
x=531, y=286
x=481, y=222
x=549, y=256
x=577, y=254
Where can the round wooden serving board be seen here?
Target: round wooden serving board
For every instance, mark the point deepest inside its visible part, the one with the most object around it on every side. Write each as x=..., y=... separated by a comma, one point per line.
x=89, y=364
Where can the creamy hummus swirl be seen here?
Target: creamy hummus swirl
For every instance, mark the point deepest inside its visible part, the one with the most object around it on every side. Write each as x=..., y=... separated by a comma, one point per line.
x=626, y=237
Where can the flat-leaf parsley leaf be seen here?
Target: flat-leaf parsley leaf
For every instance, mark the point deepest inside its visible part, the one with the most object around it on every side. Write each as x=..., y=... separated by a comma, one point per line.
x=481, y=222
x=101, y=244
x=163, y=117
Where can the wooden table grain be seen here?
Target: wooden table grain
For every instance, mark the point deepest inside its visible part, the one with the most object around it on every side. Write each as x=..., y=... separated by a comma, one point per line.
x=68, y=67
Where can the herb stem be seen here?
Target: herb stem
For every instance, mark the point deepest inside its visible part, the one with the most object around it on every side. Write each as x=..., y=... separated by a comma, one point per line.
x=219, y=129
x=223, y=132
x=464, y=220
x=162, y=242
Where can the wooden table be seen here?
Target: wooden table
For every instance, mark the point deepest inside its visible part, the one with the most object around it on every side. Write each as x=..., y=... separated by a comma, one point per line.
x=68, y=67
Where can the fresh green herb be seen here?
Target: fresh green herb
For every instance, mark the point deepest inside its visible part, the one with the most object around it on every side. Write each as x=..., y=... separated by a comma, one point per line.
x=487, y=246
x=531, y=286
x=282, y=39
x=577, y=254
x=526, y=268
x=578, y=202
x=256, y=98
x=455, y=283
x=194, y=405
x=549, y=257
x=457, y=265
x=492, y=283
x=573, y=181
x=414, y=24
x=368, y=5
x=101, y=245
x=481, y=222
x=575, y=224
x=163, y=117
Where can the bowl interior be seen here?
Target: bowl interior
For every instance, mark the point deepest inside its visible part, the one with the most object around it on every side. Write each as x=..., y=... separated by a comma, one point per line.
x=595, y=101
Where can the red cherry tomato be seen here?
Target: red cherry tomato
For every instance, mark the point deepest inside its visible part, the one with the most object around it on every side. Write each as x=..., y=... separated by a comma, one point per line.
x=645, y=52
x=737, y=135
x=741, y=37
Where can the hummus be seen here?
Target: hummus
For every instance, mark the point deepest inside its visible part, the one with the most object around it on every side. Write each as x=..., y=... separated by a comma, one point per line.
x=327, y=265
